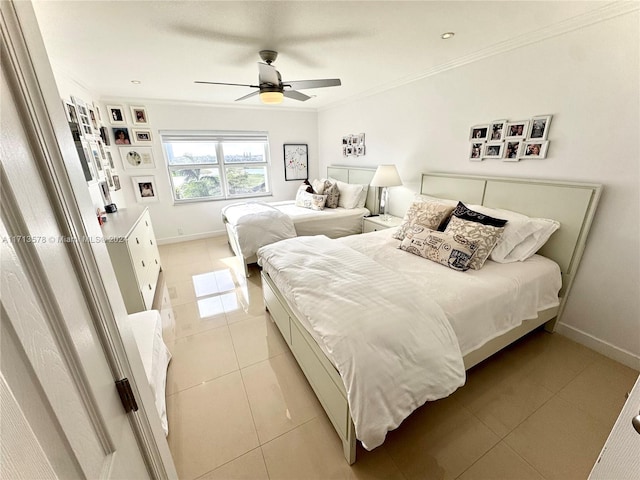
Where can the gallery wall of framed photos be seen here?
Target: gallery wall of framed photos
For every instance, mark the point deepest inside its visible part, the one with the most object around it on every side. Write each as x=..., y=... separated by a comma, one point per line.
x=510, y=141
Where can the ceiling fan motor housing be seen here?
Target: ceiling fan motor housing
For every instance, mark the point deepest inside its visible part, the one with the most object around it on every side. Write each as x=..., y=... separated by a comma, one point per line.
x=268, y=56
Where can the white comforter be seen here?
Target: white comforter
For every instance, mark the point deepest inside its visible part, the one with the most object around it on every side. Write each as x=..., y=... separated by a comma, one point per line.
x=396, y=350
x=257, y=224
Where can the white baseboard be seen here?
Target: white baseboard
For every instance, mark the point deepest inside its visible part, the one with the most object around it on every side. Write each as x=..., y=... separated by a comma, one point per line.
x=618, y=354
x=187, y=238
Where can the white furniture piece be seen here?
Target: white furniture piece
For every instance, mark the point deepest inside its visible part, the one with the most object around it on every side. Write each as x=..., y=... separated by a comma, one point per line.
x=620, y=456
x=134, y=254
x=374, y=224
x=572, y=204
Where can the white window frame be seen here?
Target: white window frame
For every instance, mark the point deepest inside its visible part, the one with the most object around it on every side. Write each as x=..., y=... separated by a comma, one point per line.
x=219, y=138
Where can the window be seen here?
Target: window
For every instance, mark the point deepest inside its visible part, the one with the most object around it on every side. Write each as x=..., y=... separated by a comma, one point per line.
x=217, y=165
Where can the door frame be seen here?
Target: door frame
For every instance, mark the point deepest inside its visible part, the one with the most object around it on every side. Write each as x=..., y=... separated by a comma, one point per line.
x=31, y=78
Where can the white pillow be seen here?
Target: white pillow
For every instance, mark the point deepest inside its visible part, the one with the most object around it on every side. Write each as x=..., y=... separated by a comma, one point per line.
x=522, y=237
x=363, y=196
x=318, y=186
x=349, y=194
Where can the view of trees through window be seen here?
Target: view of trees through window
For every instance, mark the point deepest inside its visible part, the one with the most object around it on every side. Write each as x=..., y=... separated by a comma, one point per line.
x=217, y=168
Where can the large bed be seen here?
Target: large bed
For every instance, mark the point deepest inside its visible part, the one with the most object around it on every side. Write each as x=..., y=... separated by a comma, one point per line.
x=485, y=309
x=251, y=225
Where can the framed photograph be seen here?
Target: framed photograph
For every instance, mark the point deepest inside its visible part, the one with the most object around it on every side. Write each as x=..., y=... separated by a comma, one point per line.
x=534, y=149
x=70, y=110
x=94, y=120
x=116, y=182
x=94, y=149
x=141, y=135
x=475, y=154
x=539, y=127
x=116, y=115
x=121, y=136
x=83, y=116
x=145, y=189
x=496, y=130
x=104, y=136
x=493, y=150
x=96, y=109
x=109, y=177
x=139, y=116
x=512, y=150
x=296, y=162
x=516, y=129
x=360, y=150
x=479, y=132
x=137, y=158
x=360, y=139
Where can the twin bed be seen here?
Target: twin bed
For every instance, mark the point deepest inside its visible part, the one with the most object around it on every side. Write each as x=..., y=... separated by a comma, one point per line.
x=251, y=225
x=378, y=331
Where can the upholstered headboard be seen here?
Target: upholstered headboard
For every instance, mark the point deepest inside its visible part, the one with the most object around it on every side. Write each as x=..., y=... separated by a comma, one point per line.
x=359, y=175
x=570, y=203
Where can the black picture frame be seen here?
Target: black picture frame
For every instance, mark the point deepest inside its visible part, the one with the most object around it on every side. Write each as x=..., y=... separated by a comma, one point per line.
x=296, y=161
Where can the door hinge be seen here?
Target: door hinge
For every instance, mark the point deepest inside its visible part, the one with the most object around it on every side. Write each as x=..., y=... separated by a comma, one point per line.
x=126, y=395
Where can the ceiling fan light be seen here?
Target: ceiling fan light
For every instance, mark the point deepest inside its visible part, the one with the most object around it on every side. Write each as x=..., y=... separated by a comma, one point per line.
x=271, y=98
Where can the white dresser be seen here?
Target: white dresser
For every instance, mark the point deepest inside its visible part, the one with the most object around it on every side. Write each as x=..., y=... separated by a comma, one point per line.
x=134, y=254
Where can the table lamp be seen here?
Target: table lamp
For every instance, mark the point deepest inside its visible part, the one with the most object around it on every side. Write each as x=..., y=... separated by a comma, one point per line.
x=386, y=176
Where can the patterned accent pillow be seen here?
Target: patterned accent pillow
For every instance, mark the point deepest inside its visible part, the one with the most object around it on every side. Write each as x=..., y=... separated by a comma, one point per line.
x=319, y=186
x=310, y=200
x=427, y=214
x=307, y=186
x=332, y=193
x=486, y=235
x=453, y=251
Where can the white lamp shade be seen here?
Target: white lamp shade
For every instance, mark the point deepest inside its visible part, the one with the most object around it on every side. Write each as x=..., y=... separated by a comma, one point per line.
x=386, y=176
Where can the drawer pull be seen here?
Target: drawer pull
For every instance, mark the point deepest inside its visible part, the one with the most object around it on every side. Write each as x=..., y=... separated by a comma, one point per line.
x=146, y=223
x=142, y=262
x=156, y=261
x=137, y=241
x=150, y=287
x=151, y=242
x=636, y=423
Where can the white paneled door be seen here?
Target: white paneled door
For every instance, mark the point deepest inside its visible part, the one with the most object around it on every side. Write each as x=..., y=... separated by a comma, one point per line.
x=60, y=348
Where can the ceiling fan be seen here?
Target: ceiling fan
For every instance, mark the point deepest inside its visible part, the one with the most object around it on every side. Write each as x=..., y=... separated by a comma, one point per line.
x=270, y=86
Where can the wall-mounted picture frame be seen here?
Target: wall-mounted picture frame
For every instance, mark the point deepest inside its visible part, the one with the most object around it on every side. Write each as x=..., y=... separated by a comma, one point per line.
x=475, y=153
x=110, y=159
x=493, y=150
x=109, y=178
x=83, y=117
x=139, y=115
x=115, y=113
x=145, y=189
x=534, y=149
x=70, y=110
x=539, y=128
x=104, y=136
x=121, y=136
x=296, y=161
x=94, y=148
x=137, y=158
x=517, y=129
x=497, y=130
x=96, y=109
x=116, y=183
x=479, y=133
x=141, y=135
x=512, y=150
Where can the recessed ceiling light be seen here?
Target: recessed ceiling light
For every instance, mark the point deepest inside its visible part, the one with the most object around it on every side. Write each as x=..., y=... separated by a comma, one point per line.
x=446, y=35
x=137, y=82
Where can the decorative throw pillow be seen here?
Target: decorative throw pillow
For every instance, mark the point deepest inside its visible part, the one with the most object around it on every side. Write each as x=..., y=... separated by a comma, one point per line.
x=333, y=195
x=310, y=200
x=307, y=186
x=486, y=237
x=425, y=213
x=349, y=194
x=453, y=251
x=319, y=186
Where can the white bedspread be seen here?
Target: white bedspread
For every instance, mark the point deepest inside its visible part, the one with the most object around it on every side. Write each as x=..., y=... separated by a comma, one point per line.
x=256, y=224
x=397, y=349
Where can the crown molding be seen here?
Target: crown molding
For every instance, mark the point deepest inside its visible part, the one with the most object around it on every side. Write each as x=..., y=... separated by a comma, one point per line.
x=602, y=14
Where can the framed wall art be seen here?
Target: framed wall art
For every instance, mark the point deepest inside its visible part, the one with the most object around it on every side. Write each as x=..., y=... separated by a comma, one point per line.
x=137, y=158
x=141, y=135
x=479, y=133
x=353, y=145
x=493, y=150
x=517, y=129
x=534, y=149
x=513, y=150
x=121, y=136
x=475, y=154
x=139, y=116
x=296, y=161
x=145, y=189
x=116, y=115
x=496, y=131
x=539, y=127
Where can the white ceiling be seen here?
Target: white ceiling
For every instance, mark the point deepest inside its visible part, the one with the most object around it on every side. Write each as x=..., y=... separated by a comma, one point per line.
x=370, y=46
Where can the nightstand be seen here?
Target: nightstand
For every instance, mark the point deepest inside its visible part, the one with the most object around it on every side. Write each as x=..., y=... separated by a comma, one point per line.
x=373, y=224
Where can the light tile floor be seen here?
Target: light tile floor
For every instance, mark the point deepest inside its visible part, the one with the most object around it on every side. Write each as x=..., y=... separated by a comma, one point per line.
x=240, y=408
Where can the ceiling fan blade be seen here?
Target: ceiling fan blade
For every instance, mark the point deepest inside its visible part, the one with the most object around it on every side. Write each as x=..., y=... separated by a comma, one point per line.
x=296, y=95
x=268, y=74
x=252, y=94
x=302, y=84
x=233, y=84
